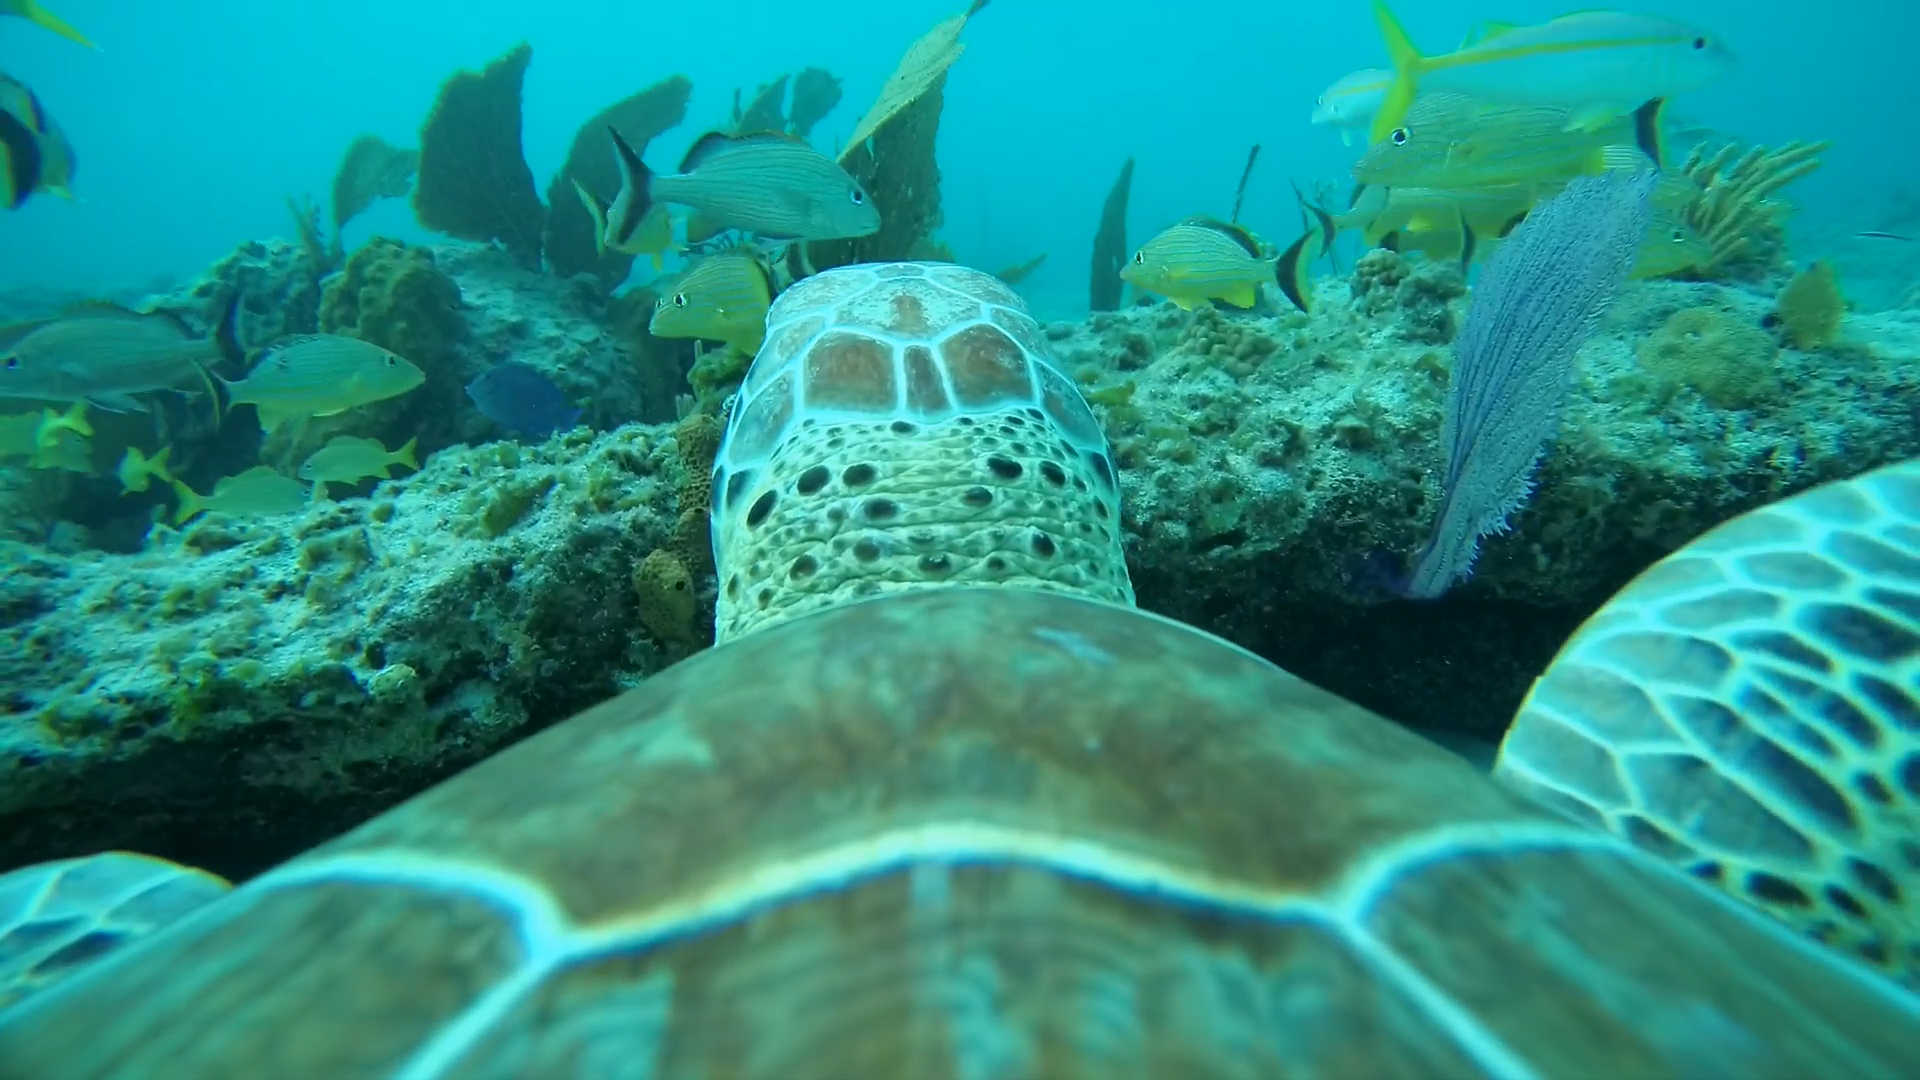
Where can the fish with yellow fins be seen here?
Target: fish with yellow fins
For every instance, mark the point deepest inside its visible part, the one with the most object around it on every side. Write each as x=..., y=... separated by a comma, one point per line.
x=1597, y=65
x=137, y=470
x=31, y=11
x=106, y=354
x=723, y=297
x=772, y=185
x=320, y=375
x=649, y=234
x=1451, y=140
x=347, y=459
x=258, y=492
x=35, y=156
x=48, y=439
x=1201, y=260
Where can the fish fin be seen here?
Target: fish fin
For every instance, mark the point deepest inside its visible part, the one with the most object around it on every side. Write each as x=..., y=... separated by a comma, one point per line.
x=157, y=464
x=1406, y=73
x=1290, y=271
x=190, y=503
x=404, y=455
x=1592, y=116
x=706, y=145
x=75, y=419
x=1391, y=241
x=31, y=11
x=1242, y=296
x=1468, y=242
x=270, y=418
x=117, y=402
x=319, y=491
x=634, y=175
x=23, y=161
x=702, y=226
x=596, y=210
x=1187, y=303
x=1512, y=223
x=1646, y=131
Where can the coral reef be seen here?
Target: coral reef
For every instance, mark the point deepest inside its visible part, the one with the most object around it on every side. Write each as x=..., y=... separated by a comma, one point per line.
x=1737, y=211
x=473, y=182
x=1110, y=245
x=1809, y=308
x=1730, y=362
x=370, y=170
x=640, y=118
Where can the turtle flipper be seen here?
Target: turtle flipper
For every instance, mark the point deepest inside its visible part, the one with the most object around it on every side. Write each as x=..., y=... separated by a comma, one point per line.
x=1747, y=708
x=57, y=917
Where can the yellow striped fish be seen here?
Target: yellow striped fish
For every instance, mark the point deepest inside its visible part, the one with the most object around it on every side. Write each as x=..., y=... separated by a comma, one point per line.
x=1201, y=260
x=319, y=375
x=723, y=297
x=772, y=185
x=1454, y=141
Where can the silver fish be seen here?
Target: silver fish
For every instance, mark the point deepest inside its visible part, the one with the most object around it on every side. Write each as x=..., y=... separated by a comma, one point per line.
x=768, y=184
x=105, y=354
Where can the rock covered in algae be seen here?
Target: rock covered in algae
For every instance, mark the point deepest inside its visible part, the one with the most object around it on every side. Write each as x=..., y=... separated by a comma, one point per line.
x=473, y=179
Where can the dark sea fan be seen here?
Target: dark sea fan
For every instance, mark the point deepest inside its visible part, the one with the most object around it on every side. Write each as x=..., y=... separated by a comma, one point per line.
x=1538, y=301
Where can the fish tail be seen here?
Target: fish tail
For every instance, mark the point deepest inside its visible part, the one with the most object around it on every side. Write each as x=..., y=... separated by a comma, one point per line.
x=1406, y=62
x=20, y=154
x=596, y=210
x=157, y=464
x=226, y=333
x=634, y=175
x=1646, y=131
x=1290, y=271
x=190, y=503
x=75, y=419
x=404, y=455
x=1468, y=242
x=31, y=11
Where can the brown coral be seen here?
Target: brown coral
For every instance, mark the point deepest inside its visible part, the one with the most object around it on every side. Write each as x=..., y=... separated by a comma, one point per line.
x=1809, y=308
x=474, y=183
x=1729, y=362
x=697, y=437
x=371, y=170
x=1736, y=211
x=640, y=118
x=664, y=588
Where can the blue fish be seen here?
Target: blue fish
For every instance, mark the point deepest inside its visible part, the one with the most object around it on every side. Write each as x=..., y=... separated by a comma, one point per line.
x=522, y=400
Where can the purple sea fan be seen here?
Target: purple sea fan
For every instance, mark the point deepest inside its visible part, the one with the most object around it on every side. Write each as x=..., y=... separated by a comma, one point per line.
x=1539, y=299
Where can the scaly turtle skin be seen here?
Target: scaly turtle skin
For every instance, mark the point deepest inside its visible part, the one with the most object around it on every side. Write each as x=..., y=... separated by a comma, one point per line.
x=965, y=830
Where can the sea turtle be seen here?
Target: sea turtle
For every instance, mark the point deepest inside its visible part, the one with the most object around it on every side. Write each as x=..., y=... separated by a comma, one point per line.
x=981, y=830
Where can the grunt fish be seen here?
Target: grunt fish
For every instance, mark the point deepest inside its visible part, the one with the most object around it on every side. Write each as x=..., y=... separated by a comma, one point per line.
x=34, y=155
x=1201, y=260
x=137, y=470
x=649, y=234
x=255, y=493
x=772, y=185
x=1349, y=104
x=723, y=297
x=1597, y=65
x=348, y=460
x=105, y=354
x=1454, y=141
x=320, y=375
x=31, y=11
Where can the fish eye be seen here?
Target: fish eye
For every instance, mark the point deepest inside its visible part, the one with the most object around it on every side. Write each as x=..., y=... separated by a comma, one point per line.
x=1399, y=136
x=1140, y=258
x=859, y=197
x=1678, y=236
x=13, y=363
x=679, y=299
x=389, y=361
x=1699, y=43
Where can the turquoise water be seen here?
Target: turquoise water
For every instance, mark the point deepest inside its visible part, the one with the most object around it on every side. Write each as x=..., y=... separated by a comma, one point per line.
x=196, y=119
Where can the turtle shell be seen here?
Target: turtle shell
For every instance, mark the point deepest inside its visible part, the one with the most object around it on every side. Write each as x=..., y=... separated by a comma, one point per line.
x=965, y=832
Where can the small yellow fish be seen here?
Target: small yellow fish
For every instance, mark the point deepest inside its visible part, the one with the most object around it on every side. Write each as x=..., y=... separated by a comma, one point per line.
x=255, y=493
x=1201, y=260
x=649, y=234
x=46, y=435
x=320, y=375
x=348, y=460
x=1597, y=66
x=137, y=470
x=723, y=297
x=31, y=11
x=1453, y=141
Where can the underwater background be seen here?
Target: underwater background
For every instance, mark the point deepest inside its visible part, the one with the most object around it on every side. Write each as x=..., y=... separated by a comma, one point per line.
x=365, y=409
x=197, y=118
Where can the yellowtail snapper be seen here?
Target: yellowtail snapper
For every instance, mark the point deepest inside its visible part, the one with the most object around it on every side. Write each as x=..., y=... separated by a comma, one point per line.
x=137, y=470
x=34, y=155
x=104, y=354
x=1350, y=103
x=772, y=185
x=723, y=297
x=1598, y=65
